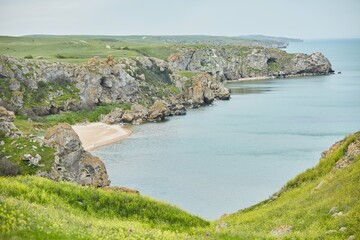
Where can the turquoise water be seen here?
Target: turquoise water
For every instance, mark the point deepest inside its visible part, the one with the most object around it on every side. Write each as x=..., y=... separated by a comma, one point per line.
x=231, y=155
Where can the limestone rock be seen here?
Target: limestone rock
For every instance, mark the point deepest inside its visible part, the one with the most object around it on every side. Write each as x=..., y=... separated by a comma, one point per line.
x=114, y=116
x=6, y=116
x=6, y=123
x=158, y=111
x=72, y=163
x=33, y=160
x=231, y=63
x=127, y=117
x=343, y=229
x=140, y=112
x=14, y=85
x=333, y=210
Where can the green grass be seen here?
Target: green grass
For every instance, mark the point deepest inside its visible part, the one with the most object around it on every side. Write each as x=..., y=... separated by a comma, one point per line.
x=40, y=124
x=44, y=209
x=78, y=49
x=14, y=149
x=37, y=208
x=89, y=115
x=63, y=49
x=305, y=208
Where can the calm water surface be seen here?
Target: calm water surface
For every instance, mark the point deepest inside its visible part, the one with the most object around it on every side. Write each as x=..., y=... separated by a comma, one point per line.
x=220, y=159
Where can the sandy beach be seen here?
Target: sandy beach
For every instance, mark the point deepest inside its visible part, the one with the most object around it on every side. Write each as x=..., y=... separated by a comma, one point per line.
x=94, y=135
x=250, y=79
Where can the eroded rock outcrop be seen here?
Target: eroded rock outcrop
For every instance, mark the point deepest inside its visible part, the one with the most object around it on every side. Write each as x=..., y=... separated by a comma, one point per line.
x=43, y=88
x=48, y=88
x=203, y=89
x=7, y=126
x=72, y=162
x=232, y=63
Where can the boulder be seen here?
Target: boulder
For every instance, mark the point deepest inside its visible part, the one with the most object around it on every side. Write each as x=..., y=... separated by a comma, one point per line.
x=33, y=160
x=209, y=96
x=115, y=116
x=7, y=126
x=72, y=162
x=140, y=112
x=158, y=111
x=6, y=116
x=177, y=109
x=127, y=117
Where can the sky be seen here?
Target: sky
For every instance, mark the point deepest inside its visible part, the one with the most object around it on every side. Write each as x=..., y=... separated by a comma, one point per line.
x=306, y=19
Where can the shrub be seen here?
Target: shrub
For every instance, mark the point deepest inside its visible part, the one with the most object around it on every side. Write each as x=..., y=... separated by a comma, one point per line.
x=60, y=56
x=28, y=57
x=8, y=168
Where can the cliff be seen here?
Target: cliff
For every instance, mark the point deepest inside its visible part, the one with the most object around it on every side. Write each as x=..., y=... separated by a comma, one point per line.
x=191, y=77
x=59, y=156
x=232, y=63
x=42, y=88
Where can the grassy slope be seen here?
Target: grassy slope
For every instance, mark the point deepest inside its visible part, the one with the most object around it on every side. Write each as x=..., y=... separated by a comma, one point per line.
x=39, y=208
x=305, y=208
x=77, y=49
x=32, y=207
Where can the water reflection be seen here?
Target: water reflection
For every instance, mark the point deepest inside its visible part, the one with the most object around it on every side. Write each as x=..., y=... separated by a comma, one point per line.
x=249, y=87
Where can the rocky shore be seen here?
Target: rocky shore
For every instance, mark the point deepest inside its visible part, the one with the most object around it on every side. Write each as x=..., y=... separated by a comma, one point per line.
x=233, y=63
x=69, y=161
x=154, y=89
x=42, y=88
x=191, y=77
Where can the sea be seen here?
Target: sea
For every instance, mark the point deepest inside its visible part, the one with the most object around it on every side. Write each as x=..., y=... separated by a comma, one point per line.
x=219, y=159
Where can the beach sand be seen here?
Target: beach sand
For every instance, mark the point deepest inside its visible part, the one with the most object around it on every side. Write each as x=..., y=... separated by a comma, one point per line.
x=250, y=79
x=94, y=135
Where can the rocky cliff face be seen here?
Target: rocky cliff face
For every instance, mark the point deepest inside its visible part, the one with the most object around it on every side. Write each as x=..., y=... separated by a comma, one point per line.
x=72, y=162
x=7, y=126
x=47, y=88
x=232, y=63
x=42, y=88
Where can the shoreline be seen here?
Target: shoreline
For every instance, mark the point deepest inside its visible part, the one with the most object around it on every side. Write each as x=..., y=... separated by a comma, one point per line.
x=250, y=79
x=95, y=135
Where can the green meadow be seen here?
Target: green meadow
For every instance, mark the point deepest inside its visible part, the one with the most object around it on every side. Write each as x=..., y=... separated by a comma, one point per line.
x=37, y=208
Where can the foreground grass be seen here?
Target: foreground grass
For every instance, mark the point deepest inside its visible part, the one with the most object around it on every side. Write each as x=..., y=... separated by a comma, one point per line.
x=32, y=207
x=37, y=208
x=304, y=203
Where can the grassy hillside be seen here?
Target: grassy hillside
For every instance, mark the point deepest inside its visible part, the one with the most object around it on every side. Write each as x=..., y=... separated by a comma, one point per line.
x=37, y=208
x=304, y=203
x=78, y=49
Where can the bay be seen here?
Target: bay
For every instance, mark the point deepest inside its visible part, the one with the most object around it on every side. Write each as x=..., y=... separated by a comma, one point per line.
x=236, y=153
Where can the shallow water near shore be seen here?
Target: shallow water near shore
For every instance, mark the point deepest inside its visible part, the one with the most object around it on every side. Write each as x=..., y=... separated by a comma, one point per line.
x=236, y=153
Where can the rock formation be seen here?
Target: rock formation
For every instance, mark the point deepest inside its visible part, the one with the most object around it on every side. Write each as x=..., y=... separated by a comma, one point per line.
x=41, y=88
x=7, y=126
x=232, y=63
x=72, y=162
